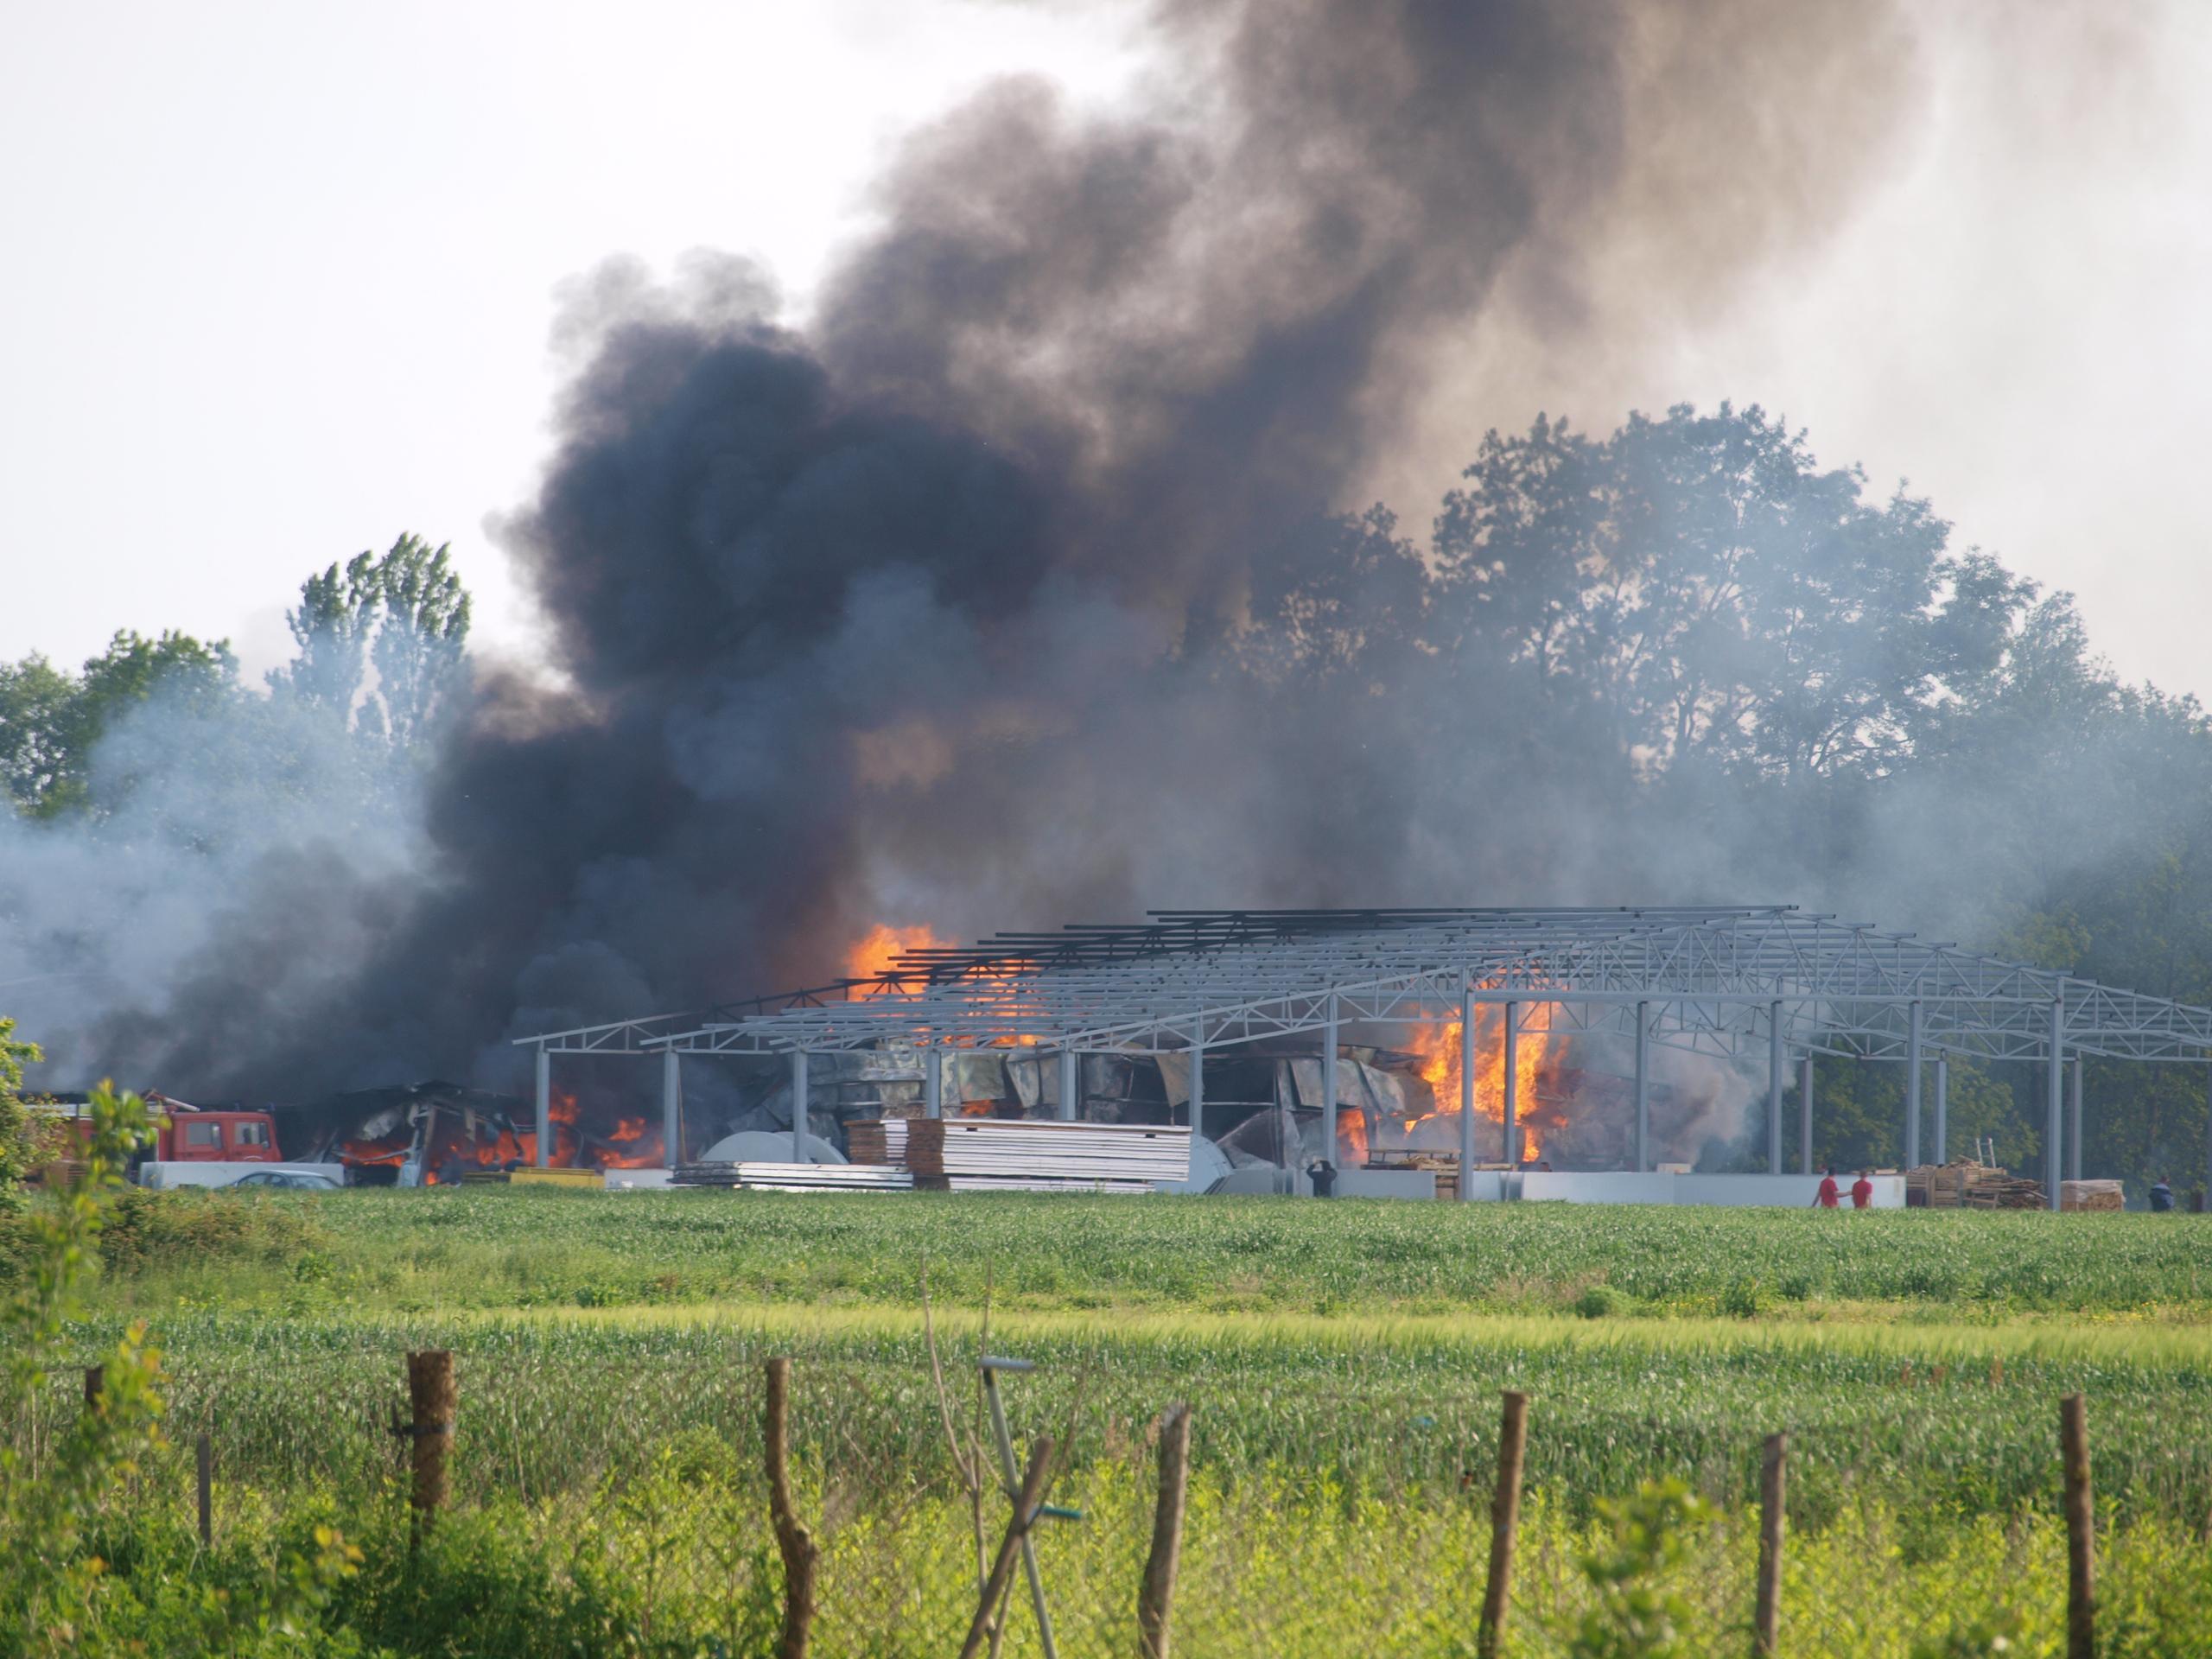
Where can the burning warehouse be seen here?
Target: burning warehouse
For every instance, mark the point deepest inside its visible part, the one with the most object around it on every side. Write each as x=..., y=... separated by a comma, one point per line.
x=429, y=1132
x=1536, y=1042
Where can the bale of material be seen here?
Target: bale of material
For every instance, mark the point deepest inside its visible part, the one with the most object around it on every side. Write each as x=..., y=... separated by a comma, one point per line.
x=535, y=1177
x=2092, y=1195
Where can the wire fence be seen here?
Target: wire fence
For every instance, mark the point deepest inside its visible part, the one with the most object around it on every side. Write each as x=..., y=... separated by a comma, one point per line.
x=639, y=1495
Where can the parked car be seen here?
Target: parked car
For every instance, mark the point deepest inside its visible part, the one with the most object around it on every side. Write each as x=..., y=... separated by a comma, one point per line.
x=306, y=1180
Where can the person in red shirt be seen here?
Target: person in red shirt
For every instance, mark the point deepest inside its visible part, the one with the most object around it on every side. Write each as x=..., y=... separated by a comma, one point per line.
x=1862, y=1191
x=1826, y=1197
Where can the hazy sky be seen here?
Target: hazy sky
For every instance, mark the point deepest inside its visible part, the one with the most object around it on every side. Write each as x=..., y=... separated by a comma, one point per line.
x=280, y=279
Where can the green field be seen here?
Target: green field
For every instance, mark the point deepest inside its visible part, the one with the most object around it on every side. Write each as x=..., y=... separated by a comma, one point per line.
x=1344, y=1361
x=500, y=1248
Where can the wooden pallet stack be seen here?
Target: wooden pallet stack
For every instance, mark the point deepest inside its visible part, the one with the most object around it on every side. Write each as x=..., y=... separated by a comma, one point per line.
x=1968, y=1184
x=996, y=1154
x=877, y=1141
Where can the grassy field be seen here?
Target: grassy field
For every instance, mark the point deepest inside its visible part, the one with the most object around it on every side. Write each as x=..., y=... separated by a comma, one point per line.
x=493, y=1248
x=1345, y=1359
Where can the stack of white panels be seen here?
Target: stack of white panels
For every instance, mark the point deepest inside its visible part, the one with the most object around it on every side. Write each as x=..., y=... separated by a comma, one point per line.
x=988, y=1154
x=799, y=1178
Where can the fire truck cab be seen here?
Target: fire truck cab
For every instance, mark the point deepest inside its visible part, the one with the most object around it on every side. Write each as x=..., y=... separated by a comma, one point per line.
x=192, y=1147
x=216, y=1138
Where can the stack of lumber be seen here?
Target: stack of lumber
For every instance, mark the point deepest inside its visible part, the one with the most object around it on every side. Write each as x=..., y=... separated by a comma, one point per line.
x=535, y=1177
x=1444, y=1166
x=797, y=1177
x=1966, y=1185
x=995, y=1154
x=2092, y=1195
x=877, y=1141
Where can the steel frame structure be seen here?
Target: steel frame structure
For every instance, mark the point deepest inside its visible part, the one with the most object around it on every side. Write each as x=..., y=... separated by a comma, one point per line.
x=1729, y=981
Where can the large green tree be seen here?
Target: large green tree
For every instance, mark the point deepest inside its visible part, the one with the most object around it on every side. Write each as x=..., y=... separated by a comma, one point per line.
x=51, y=721
x=1692, y=626
x=1701, y=589
x=405, y=614
x=16, y=1140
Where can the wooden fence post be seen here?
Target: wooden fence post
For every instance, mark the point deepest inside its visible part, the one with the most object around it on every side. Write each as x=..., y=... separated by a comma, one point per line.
x=1025, y=1505
x=1155, y=1601
x=793, y=1541
x=2080, y=1529
x=1504, y=1522
x=207, y=1449
x=1766, y=1625
x=431, y=1401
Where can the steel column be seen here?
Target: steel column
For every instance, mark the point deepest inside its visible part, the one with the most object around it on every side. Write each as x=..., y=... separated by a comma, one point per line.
x=2054, y=1112
x=544, y=1106
x=1643, y=1087
x=1805, y=1115
x=1912, y=1088
x=1513, y=1085
x=1197, y=1084
x=671, y=1108
x=933, y=1082
x=1070, y=1083
x=2207, y=1137
x=1329, y=1087
x=1943, y=1110
x=2074, y=1113
x=798, y=1105
x=1467, y=1095
x=1774, y=1071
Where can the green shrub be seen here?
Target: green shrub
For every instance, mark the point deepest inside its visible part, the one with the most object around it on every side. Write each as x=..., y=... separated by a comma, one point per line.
x=1638, y=1614
x=1744, y=1298
x=1604, y=1302
x=190, y=1228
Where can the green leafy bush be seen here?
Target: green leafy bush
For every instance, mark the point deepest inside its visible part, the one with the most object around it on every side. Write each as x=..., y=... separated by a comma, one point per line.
x=1604, y=1302
x=1638, y=1615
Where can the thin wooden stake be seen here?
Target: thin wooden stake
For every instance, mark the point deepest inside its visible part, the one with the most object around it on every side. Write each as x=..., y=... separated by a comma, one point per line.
x=1774, y=1476
x=1155, y=1601
x=1017, y=1527
x=207, y=1449
x=431, y=1402
x=800, y=1553
x=2080, y=1529
x=1504, y=1522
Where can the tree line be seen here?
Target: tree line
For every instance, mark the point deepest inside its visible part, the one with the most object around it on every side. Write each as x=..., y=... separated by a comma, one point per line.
x=1760, y=682
x=380, y=648
x=1681, y=656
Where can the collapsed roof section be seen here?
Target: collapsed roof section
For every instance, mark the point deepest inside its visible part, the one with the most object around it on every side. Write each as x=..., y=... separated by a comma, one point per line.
x=1722, y=980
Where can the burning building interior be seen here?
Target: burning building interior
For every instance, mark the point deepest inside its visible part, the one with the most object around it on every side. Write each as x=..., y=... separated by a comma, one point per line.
x=1262, y=1109
x=1032, y=559
x=1555, y=1040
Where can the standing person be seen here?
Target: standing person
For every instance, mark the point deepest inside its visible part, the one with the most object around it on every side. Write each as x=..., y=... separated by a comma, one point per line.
x=1826, y=1197
x=1862, y=1191
x=1323, y=1174
x=2161, y=1195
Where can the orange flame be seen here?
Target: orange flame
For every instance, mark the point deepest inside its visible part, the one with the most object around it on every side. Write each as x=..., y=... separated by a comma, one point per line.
x=636, y=1145
x=1439, y=1046
x=877, y=954
x=1352, y=1137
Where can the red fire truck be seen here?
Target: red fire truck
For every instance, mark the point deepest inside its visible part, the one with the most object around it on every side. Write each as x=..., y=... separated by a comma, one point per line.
x=192, y=1147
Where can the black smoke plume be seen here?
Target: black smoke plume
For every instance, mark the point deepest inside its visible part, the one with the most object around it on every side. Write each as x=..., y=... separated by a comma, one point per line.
x=930, y=606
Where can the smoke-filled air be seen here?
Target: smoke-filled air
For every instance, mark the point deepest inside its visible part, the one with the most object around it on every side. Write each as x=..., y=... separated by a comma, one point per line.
x=1034, y=572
